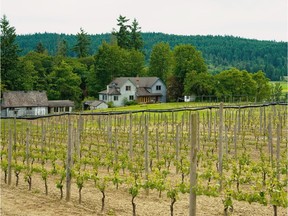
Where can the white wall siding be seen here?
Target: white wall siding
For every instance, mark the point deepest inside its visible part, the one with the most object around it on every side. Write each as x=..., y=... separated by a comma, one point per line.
x=26, y=111
x=126, y=94
x=162, y=91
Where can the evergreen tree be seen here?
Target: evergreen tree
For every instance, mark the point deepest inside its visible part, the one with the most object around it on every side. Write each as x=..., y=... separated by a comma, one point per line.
x=123, y=35
x=63, y=83
x=136, y=38
x=9, y=56
x=83, y=44
x=62, y=48
x=40, y=48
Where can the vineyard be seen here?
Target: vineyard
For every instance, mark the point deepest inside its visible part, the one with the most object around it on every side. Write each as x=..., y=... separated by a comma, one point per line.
x=232, y=154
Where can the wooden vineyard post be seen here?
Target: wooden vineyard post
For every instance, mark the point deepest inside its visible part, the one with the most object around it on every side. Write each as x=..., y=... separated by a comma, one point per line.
x=220, y=145
x=239, y=120
x=116, y=145
x=235, y=140
x=109, y=128
x=193, y=164
x=69, y=160
x=157, y=145
x=198, y=132
x=15, y=134
x=177, y=147
x=146, y=150
x=130, y=137
x=209, y=124
x=260, y=123
x=270, y=144
x=278, y=148
x=226, y=140
x=27, y=146
x=9, y=157
x=43, y=132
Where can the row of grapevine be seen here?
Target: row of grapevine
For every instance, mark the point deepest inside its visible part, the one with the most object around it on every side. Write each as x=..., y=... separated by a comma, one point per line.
x=241, y=154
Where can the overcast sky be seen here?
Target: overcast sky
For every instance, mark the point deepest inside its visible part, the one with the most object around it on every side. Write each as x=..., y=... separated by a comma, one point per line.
x=255, y=19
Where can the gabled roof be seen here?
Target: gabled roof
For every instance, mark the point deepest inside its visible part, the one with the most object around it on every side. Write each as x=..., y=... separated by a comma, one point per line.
x=112, y=91
x=60, y=103
x=147, y=82
x=144, y=92
x=96, y=103
x=25, y=99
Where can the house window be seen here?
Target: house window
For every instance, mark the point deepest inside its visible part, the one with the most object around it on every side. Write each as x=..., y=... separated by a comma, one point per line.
x=115, y=98
x=128, y=88
x=158, y=87
x=131, y=97
x=29, y=108
x=104, y=97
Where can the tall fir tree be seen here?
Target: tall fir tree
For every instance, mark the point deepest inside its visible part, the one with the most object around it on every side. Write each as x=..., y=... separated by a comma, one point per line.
x=123, y=35
x=83, y=44
x=40, y=48
x=9, y=56
x=136, y=37
x=62, y=48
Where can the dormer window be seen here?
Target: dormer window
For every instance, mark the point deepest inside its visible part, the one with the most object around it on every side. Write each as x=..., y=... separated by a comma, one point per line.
x=158, y=87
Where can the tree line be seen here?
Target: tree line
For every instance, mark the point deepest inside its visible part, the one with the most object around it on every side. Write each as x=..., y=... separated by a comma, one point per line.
x=219, y=52
x=81, y=76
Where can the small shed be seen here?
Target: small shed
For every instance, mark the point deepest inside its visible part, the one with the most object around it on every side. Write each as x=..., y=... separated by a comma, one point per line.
x=96, y=104
x=60, y=106
x=24, y=103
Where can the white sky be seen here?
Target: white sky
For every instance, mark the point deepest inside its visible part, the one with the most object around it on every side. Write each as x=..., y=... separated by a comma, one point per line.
x=255, y=19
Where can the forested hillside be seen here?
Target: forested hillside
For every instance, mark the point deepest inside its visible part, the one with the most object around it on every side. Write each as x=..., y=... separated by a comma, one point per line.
x=219, y=52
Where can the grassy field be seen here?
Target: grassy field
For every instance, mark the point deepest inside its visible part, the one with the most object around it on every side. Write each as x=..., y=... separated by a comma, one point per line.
x=284, y=85
x=162, y=106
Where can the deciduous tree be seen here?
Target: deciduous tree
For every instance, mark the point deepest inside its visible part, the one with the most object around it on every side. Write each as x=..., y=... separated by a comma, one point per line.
x=160, y=61
x=187, y=59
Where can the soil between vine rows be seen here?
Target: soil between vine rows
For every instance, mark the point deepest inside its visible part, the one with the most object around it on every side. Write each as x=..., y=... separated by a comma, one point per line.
x=19, y=201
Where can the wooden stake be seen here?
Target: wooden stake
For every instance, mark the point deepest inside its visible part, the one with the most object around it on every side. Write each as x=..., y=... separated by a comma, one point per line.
x=220, y=145
x=69, y=160
x=9, y=157
x=193, y=165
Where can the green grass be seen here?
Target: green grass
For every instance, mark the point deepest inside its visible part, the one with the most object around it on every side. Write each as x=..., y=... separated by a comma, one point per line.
x=156, y=106
x=284, y=85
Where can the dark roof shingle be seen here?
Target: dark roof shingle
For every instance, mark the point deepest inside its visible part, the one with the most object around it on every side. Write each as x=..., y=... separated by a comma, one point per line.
x=24, y=99
x=60, y=103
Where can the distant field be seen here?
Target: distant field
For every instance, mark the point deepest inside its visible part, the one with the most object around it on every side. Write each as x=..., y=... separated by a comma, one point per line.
x=284, y=85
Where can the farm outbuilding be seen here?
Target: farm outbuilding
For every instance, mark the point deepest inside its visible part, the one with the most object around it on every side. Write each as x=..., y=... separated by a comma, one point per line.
x=96, y=104
x=60, y=106
x=22, y=103
x=32, y=103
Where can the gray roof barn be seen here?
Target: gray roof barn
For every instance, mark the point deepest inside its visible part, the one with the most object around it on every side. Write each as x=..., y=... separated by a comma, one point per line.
x=24, y=99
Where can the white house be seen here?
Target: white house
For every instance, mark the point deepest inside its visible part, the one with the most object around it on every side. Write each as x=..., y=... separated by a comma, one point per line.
x=140, y=89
